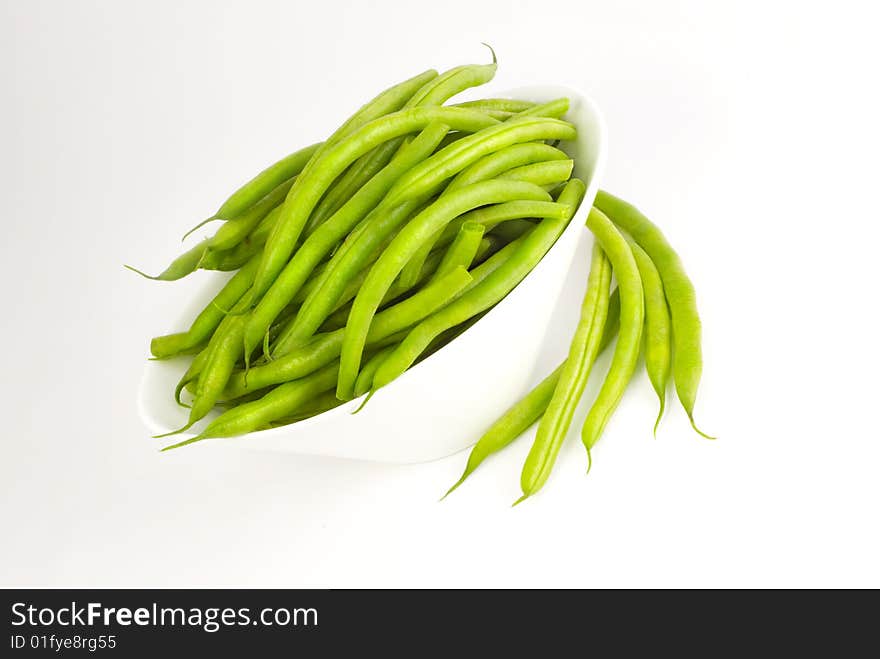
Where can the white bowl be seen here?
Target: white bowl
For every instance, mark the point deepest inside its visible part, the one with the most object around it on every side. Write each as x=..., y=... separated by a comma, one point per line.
x=445, y=403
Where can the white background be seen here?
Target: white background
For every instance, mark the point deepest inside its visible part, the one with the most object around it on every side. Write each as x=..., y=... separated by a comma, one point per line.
x=747, y=130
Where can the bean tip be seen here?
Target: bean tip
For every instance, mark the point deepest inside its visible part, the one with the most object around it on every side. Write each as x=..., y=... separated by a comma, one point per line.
x=698, y=431
x=142, y=273
x=491, y=50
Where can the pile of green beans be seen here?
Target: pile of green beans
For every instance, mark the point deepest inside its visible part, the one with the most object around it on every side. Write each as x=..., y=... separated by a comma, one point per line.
x=356, y=257
x=654, y=306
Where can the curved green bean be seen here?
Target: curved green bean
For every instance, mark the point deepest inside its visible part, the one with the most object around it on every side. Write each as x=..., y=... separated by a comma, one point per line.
x=582, y=352
x=236, y=229
x=632, y=316
x=658, y=328
x=263, y=183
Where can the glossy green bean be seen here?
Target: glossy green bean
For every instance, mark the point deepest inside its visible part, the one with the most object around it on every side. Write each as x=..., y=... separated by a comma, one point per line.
x=263, y=183
x=525, y=254
x=233, y=231
x=582, y=352
x=658, y=328
x=687, y=356
x=632, y=317
x=419, y=230
x=326, y=347
x=313, y=182
x=554, y=109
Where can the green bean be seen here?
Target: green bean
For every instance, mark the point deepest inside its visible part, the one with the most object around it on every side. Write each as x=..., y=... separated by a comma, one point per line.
x=554, y=109
x=498, y=104
x=687, y=359
x=313, y=182
x=582, y=352
x=552, y=172
x=388, y=101
x=263, y=183
x=326, y=347
x=233, y=259
x=405, y=244
x=296, y=272
x=522, y=414
x=632, y=316
x=658, y=328
x=454, y=81
x=185, y=264
x=209, y=318
x=524, y=256
x=463, y=249
x=278, y=403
